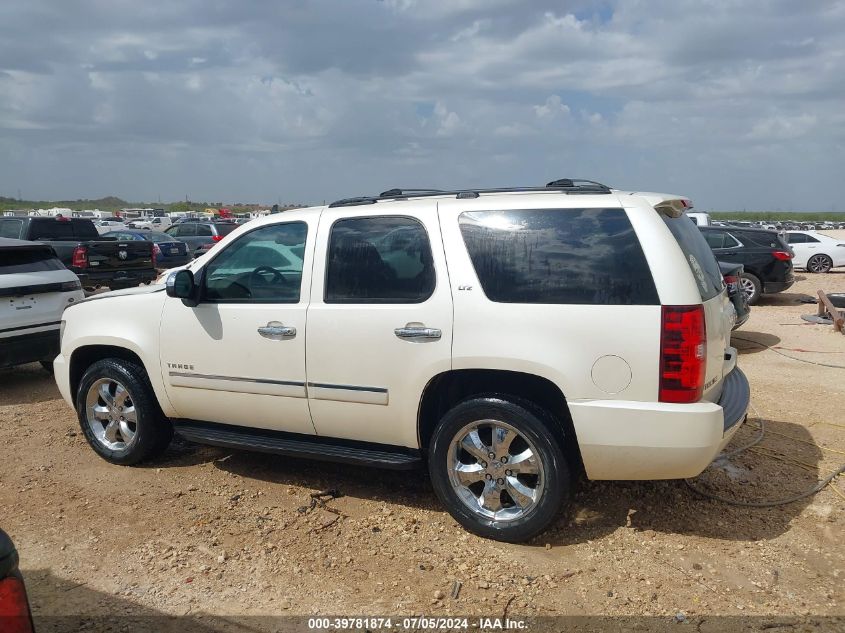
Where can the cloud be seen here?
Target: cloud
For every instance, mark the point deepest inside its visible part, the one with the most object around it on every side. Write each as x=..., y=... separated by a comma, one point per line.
x=310, y=100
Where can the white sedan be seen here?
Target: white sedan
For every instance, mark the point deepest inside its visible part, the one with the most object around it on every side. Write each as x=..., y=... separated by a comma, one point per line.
x=815, y=252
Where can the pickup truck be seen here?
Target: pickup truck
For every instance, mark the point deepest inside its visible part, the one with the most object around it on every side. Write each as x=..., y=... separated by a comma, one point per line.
x=97, y=261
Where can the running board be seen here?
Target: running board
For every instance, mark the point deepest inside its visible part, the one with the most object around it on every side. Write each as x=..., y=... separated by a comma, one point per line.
x=296, y=445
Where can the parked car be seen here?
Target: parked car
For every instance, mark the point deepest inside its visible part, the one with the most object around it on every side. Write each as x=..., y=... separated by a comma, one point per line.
x=97, y=261
x=700, y=218
x=475, y=331
x=151, y=223
x=35, y=288
x=197, y=234
x=110, y=224
x=816, y=252
x=15, y=614
x=765, y=256
x=169, y=252
x=732, y=274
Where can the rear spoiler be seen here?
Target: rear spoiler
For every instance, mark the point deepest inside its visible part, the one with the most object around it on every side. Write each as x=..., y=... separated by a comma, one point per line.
x=674, y=207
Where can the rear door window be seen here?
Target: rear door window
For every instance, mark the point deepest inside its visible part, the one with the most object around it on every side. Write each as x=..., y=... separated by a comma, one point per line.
x=379, y=260
x=203, y=230
x=699, y=257
x=559, y=256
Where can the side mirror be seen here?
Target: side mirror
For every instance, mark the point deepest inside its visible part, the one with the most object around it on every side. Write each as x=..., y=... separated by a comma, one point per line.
x=181, y=285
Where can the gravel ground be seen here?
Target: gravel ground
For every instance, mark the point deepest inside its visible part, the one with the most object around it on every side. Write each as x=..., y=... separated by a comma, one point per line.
x=210, y=531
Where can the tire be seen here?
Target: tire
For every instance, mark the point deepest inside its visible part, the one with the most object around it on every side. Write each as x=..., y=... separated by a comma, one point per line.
x=467, y=484
x=819, y=264
x=109, y=390
x=752, y=287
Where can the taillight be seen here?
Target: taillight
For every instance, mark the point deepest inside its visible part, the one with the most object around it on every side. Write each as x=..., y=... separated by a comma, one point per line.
x=14, y=608
x=79, y=259
x=732, y=283
x=782, y=255
x=683, y=354
x=217, y=238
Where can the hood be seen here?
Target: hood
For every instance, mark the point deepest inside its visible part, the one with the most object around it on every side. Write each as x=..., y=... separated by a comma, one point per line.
x=140, y=290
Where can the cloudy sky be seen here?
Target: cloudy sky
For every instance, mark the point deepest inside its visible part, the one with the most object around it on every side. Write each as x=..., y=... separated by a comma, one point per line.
x=736, y=103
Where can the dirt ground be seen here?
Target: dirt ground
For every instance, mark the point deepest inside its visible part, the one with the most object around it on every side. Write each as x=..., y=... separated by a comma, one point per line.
x=212, y=531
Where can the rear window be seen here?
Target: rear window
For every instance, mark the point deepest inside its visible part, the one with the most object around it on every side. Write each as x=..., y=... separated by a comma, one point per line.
x=84, y=230
x=155, y=236
x=50, y=229
x=18, y=260
x=761, y=239
x=558, y=256
x=699, y=257
x=225, y=229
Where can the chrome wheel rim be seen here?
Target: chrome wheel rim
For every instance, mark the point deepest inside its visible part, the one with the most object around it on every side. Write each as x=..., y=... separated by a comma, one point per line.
x=747, y=287
x=495, y=471
x=818, y=264
x=111, y=414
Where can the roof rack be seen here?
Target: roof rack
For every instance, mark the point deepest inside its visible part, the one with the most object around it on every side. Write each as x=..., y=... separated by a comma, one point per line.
x=563, y=185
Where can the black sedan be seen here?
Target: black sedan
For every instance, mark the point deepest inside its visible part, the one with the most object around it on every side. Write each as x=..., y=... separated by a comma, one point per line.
x=169, y=252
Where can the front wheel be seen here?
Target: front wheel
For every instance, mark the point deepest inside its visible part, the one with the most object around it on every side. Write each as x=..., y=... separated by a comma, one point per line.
x=819, y=264
x=499, y=469
x=119, y=414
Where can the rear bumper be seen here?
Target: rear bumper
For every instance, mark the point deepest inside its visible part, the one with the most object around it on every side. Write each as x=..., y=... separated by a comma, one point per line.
x=29, y=348
x=772, y=287
x=650, y=440
x=120, y=278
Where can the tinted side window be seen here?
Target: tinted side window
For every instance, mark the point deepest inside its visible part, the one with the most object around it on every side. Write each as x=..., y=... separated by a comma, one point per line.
x=187, y=230
x=796, y=238
x=760, y=239
x=811, y=240
x=263, y=266
x=11, y=228
x=562, y=256
x=203, y=230
x=700, y=258
x=715, y=239
x=379, y=260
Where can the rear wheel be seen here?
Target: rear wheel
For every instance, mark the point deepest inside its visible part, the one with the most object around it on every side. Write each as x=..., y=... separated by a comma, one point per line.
x=752, y=287
x=119, y=414
x=499, y=469
x=819, y=264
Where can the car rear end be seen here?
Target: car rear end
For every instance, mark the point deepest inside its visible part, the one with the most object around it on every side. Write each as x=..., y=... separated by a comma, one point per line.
x=35, y=288
x=774, y=256
x=169, y=252
x=15, y=614
x=700, y=397
x=732, y=274
x=114, y=263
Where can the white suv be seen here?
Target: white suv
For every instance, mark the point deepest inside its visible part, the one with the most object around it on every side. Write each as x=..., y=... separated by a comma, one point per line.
x=35, y=288
x=509, y=339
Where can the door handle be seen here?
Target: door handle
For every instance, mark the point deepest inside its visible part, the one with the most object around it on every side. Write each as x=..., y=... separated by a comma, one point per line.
x=413, y=333
x=277, y=331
